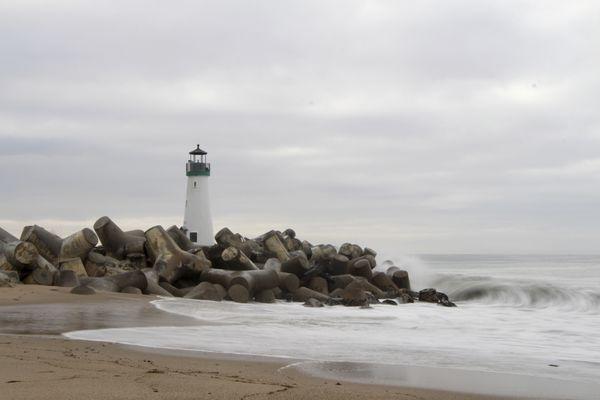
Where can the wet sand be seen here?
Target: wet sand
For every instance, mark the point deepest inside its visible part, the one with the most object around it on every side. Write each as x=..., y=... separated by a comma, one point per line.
x=37, y=363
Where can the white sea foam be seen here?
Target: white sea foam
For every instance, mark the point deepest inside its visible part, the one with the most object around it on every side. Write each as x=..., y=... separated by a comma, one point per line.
x=507, y=321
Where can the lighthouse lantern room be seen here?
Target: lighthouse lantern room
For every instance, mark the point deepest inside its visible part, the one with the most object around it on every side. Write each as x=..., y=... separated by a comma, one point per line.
x=197, y=221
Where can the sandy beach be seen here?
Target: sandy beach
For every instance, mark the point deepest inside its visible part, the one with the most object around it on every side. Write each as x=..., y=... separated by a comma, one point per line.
x=38, y=363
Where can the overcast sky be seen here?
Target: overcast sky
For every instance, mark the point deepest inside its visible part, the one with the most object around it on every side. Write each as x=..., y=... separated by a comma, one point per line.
x=411, y=127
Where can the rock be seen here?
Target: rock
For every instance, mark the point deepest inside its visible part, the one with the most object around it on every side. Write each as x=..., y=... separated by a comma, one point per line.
x=272, y=264
x=95, y=264
x=135, y=261
x=428, y=295
x=290, y=242
x=350, y=250
x=389, y=302
x=79, y=244
x=278, y=293
x=204, y=291
x=307, y=248
x=340, y=281
x=338, y=265
x=433, y=296
x=225, y=238
x=75, y=265
x=273, y=243
x=116, y=283
x=220, y=276
x=369, y=287
x=354, y=295
x=131, y=290
x=83, y=289
x=20, y=255
x=152, y=286
x=288, y=282
x=238, y=293
x=177, y=292
x=304, y=293
x=322, y=254
x=296, y=265
x=318, y=284
x=443, y=300
x=181, y=239
x=405, y=298
x=370, y=252
x=47, y=244
x=384, y=282
x=236, y=259
x=170, y=261
x=44, y=274
x=313, y=303
x=265, y=296
x=399, y=277
x=116, y=242
x=66, y=278
x=256, y=281
x=220, y=290
x=8, y=279
x=360, y=267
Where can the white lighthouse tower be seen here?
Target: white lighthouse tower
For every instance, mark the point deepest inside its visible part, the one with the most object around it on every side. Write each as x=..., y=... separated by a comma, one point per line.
x=197, y=222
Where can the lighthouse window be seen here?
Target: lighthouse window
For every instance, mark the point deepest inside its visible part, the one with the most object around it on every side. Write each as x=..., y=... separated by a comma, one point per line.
x=194, y=235
x=194, y=183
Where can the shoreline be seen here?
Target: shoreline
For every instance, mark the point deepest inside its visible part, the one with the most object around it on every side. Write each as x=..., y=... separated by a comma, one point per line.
x=38, y=352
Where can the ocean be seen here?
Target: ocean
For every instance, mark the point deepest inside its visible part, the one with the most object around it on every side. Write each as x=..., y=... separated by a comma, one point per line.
x=533, y=316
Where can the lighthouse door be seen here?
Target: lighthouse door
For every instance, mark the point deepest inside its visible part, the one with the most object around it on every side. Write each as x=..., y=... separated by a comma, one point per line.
x=194, y=237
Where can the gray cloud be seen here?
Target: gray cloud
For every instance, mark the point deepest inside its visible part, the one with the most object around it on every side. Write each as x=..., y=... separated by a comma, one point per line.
x=465, y=126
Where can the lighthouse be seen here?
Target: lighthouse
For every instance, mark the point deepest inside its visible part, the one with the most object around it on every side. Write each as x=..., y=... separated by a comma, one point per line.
x=197, y=221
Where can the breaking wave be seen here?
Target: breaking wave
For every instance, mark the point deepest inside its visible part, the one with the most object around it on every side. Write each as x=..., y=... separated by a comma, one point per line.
x=487, y=290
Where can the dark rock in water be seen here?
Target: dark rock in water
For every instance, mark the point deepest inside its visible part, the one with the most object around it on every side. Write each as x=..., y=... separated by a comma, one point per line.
x=131, y=290
x=354, y=296
x=334, y=301
x=238, y=293
x=313, y=303
x=428, y=295
x=405, y=298
x=446, y=303
x=83, y=289
x=265, y=296
x=389, y=302
x=443, y=300
x=433, y=296
x=303, y=294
